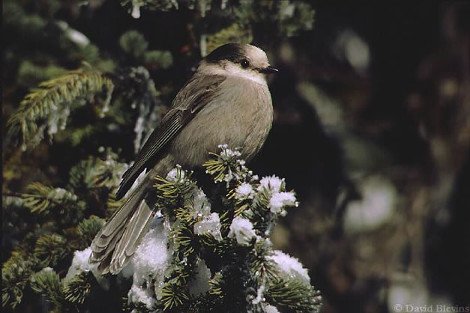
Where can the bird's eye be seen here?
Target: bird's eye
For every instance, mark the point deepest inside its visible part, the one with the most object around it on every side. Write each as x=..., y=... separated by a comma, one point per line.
x=244, y=63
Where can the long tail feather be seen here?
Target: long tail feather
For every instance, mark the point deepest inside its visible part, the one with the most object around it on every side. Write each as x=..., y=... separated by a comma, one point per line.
x=118, y=231
x=118, y=239
x=136, y=228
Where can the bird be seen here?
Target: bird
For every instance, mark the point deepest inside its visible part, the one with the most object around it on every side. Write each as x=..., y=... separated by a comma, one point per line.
x=226, y=101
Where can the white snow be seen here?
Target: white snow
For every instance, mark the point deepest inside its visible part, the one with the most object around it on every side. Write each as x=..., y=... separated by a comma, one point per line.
x=289, y=266
x=152, y=254
x=138, y=129
x=270, y=309
x=223, y=4
x=200, y=283
x=242, y=230
x=149, y=263
x=80, y=264
x=279, y=200
x=57, y=120
x=200, y=204
x=135, y=11
x=271, y=183
x=244, y=191
x=141, y=295
x=73, y=35
x=227, y=153
x=78, y=37
x=176, y=174
x=259, y=293
x=209, y=224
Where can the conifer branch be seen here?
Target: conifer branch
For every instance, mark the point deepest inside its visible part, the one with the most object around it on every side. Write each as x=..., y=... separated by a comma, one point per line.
x=295, y=295
x=16, y=274
x=88, y=228
x=56, y=97
x=45, y=200
x=51, y=248
x=47, y=282
x=76, y=290
x=234, y=242
x=97, y=173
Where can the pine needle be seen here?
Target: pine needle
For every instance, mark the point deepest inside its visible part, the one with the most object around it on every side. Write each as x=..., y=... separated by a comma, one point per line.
x=51, y=97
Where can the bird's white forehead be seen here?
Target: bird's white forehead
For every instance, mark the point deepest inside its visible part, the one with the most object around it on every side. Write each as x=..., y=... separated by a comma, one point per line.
x=256, y=54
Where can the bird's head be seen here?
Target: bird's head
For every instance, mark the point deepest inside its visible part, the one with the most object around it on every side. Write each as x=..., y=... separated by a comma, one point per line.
x=246, y=61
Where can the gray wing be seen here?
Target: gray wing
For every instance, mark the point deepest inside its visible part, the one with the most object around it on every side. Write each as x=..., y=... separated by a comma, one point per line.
x=197, y=92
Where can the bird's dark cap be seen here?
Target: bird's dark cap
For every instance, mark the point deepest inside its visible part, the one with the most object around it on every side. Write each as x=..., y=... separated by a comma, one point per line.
x=234, y=52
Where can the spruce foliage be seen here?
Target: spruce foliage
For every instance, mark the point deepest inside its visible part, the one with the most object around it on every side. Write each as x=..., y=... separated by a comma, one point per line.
x=56, y=97
x=228, y=243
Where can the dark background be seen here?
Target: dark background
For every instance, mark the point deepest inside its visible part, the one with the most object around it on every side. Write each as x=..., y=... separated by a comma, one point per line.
x=402, y=116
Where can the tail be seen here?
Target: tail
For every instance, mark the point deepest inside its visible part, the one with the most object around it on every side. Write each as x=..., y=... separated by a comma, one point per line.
x=118, y=239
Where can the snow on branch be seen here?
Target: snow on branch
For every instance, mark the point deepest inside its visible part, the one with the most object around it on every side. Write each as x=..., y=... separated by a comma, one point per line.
x=206, y=258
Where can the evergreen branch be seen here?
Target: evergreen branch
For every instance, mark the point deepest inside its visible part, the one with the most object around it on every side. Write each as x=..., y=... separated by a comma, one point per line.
x=208, y=240
x=235, y=284
x=30, y=74
x=78, y=288
x=133, y=43
x=77, y=135
x=173, y=296
x=182, y=238
x=229, y=167
x=137, y=307
x=97, y=173
x=173, y=191
x=244, y=269
x=88, y=228
x=16, y=273
x=215, y=285
x=108, y=173
x=160, y=5
x=225, y=220
x=233, y=33
x=13, y=194
x=241, y=209
x=262, y=216
x=44, y=199
x=47, y=282
x=182, y=235
x=169, y=190
x=261, y=266
x=51, y=248
x=164, y=59
x=293, y=294
x=216, y=167
x=182, y=214
x=53, y=99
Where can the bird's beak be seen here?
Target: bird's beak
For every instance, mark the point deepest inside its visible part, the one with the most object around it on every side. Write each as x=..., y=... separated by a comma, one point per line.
x=269, y=70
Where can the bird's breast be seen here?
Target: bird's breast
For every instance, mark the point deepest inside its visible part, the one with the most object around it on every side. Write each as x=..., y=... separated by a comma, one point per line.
x=239, y=115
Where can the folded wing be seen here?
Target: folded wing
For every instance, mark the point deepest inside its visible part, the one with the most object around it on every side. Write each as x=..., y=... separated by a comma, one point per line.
x=197, y=92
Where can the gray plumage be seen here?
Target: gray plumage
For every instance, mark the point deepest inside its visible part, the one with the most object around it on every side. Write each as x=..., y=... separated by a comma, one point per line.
x=227, y=101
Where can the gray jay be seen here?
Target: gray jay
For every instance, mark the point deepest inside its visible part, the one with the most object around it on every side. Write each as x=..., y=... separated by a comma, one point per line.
x=226, y=101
